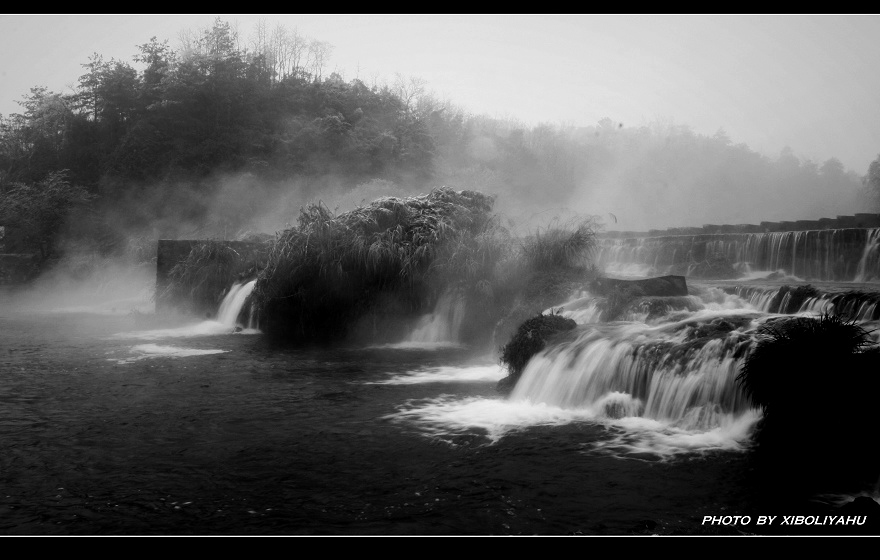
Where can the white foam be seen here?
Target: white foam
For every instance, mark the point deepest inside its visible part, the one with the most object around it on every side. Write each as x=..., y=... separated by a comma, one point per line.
x=226, y=322
x=145, y=351
x=446, y=374
x=664, y=440
x=411, y=345
x=447, y=416
x=205, y=328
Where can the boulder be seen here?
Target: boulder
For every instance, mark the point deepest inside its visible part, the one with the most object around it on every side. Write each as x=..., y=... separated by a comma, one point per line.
x=658, y=286
x=531, y=337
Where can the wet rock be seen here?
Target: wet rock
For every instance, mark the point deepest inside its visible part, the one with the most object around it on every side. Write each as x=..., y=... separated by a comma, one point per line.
x=863, y=505
x=658, y=286
x=531, y=337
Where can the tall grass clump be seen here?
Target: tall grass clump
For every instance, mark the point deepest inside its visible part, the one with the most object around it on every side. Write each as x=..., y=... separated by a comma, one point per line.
x=561, y=246
x=391, y=256
x=546, y=268
x=200, y=281
x=816, y=381
x=557, y=259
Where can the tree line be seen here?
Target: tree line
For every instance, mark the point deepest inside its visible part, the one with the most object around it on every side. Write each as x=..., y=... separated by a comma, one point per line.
x=149, y=147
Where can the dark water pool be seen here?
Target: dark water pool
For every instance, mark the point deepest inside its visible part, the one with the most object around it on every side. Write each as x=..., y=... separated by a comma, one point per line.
x=99, y=438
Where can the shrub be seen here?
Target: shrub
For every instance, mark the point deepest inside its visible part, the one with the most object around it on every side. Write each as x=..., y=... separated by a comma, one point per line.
x=328, y=271
x=531, y=337
x=816, y=381
x=795, y=355
x=561, y=246
x=201, y=280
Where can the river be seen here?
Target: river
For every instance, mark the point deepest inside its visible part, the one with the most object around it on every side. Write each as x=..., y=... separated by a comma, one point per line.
x=114, y=421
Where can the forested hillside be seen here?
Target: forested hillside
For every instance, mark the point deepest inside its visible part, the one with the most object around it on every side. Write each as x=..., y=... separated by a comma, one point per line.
x=226, y=135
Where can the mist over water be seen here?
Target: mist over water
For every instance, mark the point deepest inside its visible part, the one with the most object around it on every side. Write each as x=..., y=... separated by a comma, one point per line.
x=108, y=286
x=246, y=417
x=119, y=419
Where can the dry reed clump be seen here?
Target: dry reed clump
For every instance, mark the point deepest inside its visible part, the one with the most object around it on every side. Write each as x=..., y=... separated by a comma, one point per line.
x=201, y=280
x=329, y=270
x=543, y=269
x=556, y=260
x=568, y=245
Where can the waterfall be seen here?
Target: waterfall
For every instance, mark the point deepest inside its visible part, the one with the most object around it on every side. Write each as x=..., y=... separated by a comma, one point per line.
x=851, y=254
x=661, y=379
x=225, y=323
x=232, y=304
x=869, y=264
x=634, y=370
x=850, y=305
x=442, y=325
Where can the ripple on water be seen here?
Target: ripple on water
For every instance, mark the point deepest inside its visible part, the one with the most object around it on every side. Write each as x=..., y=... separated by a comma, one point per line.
x=146, y=351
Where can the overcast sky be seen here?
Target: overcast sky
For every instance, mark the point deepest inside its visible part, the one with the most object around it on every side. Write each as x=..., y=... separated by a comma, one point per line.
x=807, y=82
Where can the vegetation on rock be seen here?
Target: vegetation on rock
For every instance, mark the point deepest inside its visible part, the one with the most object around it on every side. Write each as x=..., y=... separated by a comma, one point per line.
x=531, y=337
x=201, y=280
x=816, y=381
x=325, y=273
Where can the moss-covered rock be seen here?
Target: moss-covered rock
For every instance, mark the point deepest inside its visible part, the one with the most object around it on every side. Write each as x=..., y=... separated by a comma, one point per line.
x=531, y=337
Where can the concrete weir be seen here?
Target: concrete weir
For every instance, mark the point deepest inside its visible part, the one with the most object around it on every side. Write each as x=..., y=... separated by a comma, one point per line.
x=856, y=221
x=845, y=249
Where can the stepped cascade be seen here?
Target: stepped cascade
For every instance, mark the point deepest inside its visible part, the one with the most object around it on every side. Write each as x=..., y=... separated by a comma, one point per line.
x=843, y=255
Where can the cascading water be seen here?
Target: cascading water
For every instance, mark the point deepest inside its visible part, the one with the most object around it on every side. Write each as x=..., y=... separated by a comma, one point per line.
x=443, y=324
x=232, y=304
x=666, y=374
x=850, y=304
x=869, y=264
x=845, y=255
x=439, y=328
x=662, y=387
x=225, y=322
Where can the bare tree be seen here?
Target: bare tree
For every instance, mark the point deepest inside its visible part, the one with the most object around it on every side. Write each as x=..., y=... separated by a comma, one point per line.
x=298, y=46
x=189, y=43
x=319, y=54
x=259, y=39
x=409, y=90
